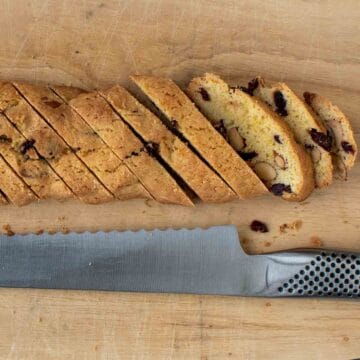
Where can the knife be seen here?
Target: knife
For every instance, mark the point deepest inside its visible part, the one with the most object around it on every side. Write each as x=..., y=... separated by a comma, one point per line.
x=198, y=261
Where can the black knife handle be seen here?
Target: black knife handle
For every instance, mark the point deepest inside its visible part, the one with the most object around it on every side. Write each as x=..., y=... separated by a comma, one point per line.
x=325, y=273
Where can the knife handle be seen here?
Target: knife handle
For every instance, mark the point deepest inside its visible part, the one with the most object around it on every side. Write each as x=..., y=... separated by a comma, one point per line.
x=332, y=274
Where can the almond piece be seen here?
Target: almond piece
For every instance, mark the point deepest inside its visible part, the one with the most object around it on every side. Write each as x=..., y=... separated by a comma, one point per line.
x=315, y=154
x=235, y=139
x=280, y=161
x=265, y=171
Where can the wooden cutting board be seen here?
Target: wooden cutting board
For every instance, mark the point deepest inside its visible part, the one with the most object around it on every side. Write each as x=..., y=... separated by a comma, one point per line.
x=312, y=46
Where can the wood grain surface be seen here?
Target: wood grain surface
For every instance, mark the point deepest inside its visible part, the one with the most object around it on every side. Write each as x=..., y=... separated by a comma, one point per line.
x=312, y=45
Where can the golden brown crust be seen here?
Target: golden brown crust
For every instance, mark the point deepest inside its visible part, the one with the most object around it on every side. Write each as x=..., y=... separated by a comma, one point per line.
x=35, y=172
x=200, y=178
x=51, y=147
x=344, y=147
x=234, y=96
x=94, y=109
x=96, y=155
x=168, y=97
x=68, y=92
x=13, y=187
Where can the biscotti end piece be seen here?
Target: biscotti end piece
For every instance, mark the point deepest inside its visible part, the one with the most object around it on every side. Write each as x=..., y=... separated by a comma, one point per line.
x=304, y=123
x=344, y=146
x=198, y=131
x=257, y=134
x=207, y=185
x=95, y=110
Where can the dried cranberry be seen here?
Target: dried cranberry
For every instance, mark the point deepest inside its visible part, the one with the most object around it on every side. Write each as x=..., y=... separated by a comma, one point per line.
x=280, y=103
x=5, y=139
x=259, y=226
x=220, y=127
x=348, y=148
x=323, y=140
x=308, y=97
x=174, y=123
x=204, y=94
x=279, y=189
x=26, y=145
x=277, y=139
x=252, y=86
x=152, y=148
x=52, y=103
x=248, y=155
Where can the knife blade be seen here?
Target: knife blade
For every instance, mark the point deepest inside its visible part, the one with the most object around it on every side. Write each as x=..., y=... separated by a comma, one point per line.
x=198, y=261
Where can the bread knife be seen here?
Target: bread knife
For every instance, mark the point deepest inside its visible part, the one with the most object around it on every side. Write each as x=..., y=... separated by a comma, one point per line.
x=198, y=261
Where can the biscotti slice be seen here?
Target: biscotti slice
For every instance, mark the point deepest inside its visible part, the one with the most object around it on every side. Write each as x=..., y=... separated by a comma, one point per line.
x=257, y=134
x=27, y=164
x=344, y=147
x=305, y=125
x=51, y=147
x=13, y=187
x=94, y=109
x=207, y=185
x=196, y=129
x=88, y=146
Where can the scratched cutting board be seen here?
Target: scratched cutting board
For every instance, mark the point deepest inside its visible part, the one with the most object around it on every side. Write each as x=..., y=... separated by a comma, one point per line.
x=312, y=45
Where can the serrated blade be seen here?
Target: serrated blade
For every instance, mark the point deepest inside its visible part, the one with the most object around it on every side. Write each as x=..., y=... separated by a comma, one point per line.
x=179, y=261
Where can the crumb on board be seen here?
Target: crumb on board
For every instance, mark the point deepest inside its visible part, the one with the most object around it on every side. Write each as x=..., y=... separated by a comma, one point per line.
x=295, y=225
x=7, y=230
x=61, y=218
x=39, y=232
x=316, y=241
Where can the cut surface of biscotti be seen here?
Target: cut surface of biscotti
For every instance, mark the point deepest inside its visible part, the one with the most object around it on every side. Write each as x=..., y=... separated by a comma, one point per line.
x=305, y=125
x=207, y=185
x=95, y=110
x=13, y=187
x=344, y=147
x=27, y=164
x=51, y=147
x=258, y=135
x=88, y=146
x=195, y=128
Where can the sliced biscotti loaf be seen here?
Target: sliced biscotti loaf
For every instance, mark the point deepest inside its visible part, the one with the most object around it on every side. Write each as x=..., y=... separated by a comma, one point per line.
x=13, y=187
x=344, y=147
x=95, y=110
x=305, y=125
x=27, y=164
x=257, y=134
x=87, y=145
x=196, y=129
x=51, y=147
x=207, y=185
